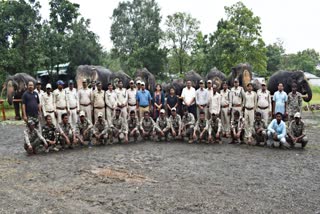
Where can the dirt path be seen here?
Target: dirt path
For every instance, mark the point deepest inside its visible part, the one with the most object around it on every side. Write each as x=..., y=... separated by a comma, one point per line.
x=160, y=178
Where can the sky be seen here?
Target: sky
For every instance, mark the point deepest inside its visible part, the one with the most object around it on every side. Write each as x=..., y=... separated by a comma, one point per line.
x=295, y=22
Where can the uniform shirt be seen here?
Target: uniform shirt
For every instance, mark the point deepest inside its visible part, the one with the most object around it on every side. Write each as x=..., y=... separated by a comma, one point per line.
x=147, y=125
x=188, y=95
x=47, y=103
x=236, y=96
x=122, y=96
x=215, y=104
x=60, y=99
x=250, y=100
x=31, y=101
x=210, y=92
x=188, y=120
x=111, y=99
x=294, y=103
x=225, y=97
x=259, y=124
x=238, y=124
x=85, y=96
x=280, y=98
x=73, y=98
x=98, y=98
x=119, y=123
x=65, y=128
x=264, y=99
x=202, y=96
x=201, y=125
x=175, y=122
x=296, y=130
x=100, y=127
x=49, y=132
x=144, y=97
x=40, y=93
x=280, y=129
x=132, y=96
x=31, y=136
x=163, y=124
x=133, y=124
x=214, y=126
x=82, y=126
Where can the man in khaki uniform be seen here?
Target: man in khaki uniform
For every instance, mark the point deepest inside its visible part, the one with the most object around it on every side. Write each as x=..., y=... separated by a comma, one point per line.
x=85, y=95
x=47, y=104
x=176, y=124
x=264, y=102
x=72, y=96
x=98, y=101
x=163, y=126
x=188, y=122
x=122, y=99
x=111, y=103
x=133, y=126
x=201, y=129
x=250, y=104
x=100, y=129
x=132, y=97
x=66, y=133
x=147, y=126
x=225, y=110
x=237, y=97
x=33, y=139
x=214, y=129
x=61, y=104
x=118, y=128
x=84, y=129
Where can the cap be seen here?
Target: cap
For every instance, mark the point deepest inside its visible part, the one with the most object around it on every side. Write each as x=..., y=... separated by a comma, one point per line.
x=98, y=83
x=142, y=83
x=31, y=122
x=82, y=113
x=263, y=82
x=209, y=81
x=236, y=80
x=298, y=115
x=93, y=81
x=48, y=85
x=131, y=81
x=38, y=82
x=84, y=80
x=162, y=111
x=60, y=82
x=100, y=114
x=139, y=82
x=173, y=109
x=201, y=82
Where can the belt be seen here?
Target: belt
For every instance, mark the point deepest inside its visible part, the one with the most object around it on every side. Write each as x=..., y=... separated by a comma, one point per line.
x=249, y=109
x=61, y=108
x=203, y=105
x=236, y=105
x=72, y=108
x=49, y=111
x=99, y=107
x=85, y=104
x=144, y=106
x=225, y=106
x=131, y=104
x=263, y=107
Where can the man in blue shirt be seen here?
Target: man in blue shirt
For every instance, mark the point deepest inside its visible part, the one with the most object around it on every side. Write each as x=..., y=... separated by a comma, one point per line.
x=280, y=99
x=143, y=100
x=277, y=131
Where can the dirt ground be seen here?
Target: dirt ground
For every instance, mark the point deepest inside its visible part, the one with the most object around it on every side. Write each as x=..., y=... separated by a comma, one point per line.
x=160, y=177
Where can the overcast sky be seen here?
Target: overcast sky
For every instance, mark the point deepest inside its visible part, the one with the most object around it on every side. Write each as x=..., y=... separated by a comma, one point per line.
x=295, y=22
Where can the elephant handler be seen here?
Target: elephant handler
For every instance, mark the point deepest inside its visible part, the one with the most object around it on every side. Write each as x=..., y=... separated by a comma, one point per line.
x=296, y=132
x=294, y=102
x=225, y=110
x=47, y=104
x=250, y=103
x=61, y=104
x=132, y=97
x=122, y=100
x=31, y=105
x=98, y=102
x=264, y=102
x=143, y=101
x=237, y=97
x=111, y=103
x=73, y=99
x=85, y=96
x=83, y=129
x=33, y=139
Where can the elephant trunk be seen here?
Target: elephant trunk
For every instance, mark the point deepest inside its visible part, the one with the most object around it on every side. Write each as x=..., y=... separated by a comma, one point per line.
x=309, y=93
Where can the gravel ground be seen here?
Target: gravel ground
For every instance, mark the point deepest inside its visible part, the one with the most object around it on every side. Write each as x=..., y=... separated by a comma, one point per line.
x=160, y=177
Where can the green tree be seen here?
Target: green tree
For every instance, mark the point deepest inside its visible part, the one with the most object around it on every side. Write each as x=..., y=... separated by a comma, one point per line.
x=274, y=54
x=199, y=55
x=238, y=39
x=181, y=32
x=136, y=34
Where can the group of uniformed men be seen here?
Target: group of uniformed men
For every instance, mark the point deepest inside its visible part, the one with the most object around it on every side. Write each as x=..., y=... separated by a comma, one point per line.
x=119, y=114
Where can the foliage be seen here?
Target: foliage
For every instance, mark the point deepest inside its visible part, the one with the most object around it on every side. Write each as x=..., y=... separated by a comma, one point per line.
x=275, y=52
x=199, y=55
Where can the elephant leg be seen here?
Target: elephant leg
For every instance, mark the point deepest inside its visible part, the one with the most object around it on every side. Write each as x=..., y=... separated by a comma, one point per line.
x=16, y=106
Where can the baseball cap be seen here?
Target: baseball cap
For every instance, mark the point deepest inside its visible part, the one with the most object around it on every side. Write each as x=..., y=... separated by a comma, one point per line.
x=236, y=80
x=70, y=82
x=263, y=82
x=100, y=114
x=201, y=82
x=139, y=82
x=162, y=111
x=173, y=109
x=131, y=81
x=60, y=82
x=142, y=83
x=84, y=80
x=48, y=85
x=209, y=81
x=82, y=113
x=38, y=82
x=297, y=115
x=31, y=122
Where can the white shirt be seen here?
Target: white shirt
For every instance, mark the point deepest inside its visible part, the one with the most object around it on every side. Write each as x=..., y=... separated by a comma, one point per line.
x=85, y=96
x=122, y=96
x=202, y=96
x=132, y=93
x=264, y=99
x=73, y=98
x=215, y=104
x=60, y=99
x=188, y=95
x=47, y=103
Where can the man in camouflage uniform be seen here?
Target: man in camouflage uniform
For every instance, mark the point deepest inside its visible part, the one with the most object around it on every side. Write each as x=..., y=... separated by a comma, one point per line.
x=201, y=128
x=49, y=133
x=188, y=122
x=163, y=126
x=133, y=126
x=294, y=102
x=84, y=129
x=66, y=133
x=259, y=129
x=214, y=129
x=100, y=129
x=296, y=133
x=118, y=128
x=147, y=126
x=237, y=128
x=33, y=139
x=176, y=124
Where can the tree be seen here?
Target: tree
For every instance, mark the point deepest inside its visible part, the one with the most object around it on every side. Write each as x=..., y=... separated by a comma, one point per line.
x=238, y=39
x=136, y=34
x=199, y=55
x=274, y=54
x=181, y=32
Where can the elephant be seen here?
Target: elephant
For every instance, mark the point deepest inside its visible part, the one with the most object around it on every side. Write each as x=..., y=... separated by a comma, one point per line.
x=194, y=77
x=287, y=78
x=16, y=85
x=121, y=75
x=243, y=72
x=216, y=76
x=91, y=73
x=147, y=77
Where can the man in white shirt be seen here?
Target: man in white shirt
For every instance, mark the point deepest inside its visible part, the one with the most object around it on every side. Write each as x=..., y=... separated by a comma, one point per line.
x=264, y=105
x=225, y=110
x=72, y=96
x=111, y=103
x=202, y=99
x=188, y=96
x=132, y=99
x=237, y=97
x=47, y=104
x=249, y=111
x=39, y=91
x=122, y=99
x=214, y=102
x=85, y=95
x=98, y=101
x=61, y=104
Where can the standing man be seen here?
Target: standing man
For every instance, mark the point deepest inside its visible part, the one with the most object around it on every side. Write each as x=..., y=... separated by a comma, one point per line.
x=143, y=100
x=111, y=103
x=132, y=97
x=47, y=104
x=39, y=91
x=214, y=102
x=60, y=101
x=122, y=99
x=225, y=110
x=236, y=98
x=138, y=85
x=209, y=88
x=98, y=101
x=280, y=99
x=294, y=102
x=93, y=85
x=202, y=99
x=188, y=96
x=250, y=103
x=31, y=105
x=73, y=100
x=85, y=95
x=277, y=131
x=264, y=102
